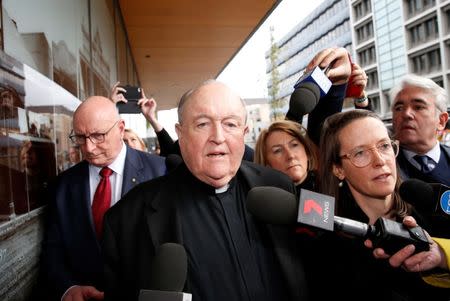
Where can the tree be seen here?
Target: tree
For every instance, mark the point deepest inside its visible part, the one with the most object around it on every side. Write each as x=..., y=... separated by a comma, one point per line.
x=276, y=104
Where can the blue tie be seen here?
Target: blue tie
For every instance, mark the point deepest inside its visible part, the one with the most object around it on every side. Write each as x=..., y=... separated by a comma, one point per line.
x=426, y=163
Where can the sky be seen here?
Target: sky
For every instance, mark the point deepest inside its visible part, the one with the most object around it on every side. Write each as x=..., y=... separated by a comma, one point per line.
x=246, y=73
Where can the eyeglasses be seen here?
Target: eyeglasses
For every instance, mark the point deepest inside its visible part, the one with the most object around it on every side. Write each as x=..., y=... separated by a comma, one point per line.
x=361, y=157
x=95, y=138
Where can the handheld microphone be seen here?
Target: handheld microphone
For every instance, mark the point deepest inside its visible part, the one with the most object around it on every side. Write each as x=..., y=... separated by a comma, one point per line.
x=303, y=100
x=317, y=77
x=277, y=206
x=432, y=201
x=167, y=275
x=172, y=161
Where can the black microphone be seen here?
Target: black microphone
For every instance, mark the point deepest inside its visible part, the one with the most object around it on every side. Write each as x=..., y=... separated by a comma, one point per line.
x=167, y=275
x=432, y=202
x=303, y=100
x=172, y=161
x=277, y=206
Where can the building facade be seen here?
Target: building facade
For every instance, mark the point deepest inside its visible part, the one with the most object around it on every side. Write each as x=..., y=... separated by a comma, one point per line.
x=395, y=37
x=387, y=38
x=327, y=26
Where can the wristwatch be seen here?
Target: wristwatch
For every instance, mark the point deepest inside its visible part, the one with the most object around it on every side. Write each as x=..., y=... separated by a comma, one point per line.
x=360, y=100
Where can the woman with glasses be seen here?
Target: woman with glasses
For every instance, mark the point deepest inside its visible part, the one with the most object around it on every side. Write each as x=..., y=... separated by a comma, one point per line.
x=358, y=168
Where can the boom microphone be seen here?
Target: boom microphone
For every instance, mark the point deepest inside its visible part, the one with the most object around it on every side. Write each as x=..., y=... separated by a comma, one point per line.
x=167, y=275
x=303, y=100
x=277, y=206
x=432, y=202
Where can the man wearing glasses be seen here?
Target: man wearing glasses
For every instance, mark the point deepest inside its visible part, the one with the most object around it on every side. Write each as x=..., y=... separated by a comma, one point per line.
x=419, y=112
x=71, y=250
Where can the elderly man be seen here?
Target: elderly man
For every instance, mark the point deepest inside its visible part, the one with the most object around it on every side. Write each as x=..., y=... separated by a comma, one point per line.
x=201, y=205
x=71, y=254
x=419, y=111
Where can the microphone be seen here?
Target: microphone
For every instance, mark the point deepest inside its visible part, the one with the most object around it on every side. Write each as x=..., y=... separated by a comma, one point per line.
x=432, y=201
x=303, y=100
x=167, y=275
x=172, y=161
x=277, y=206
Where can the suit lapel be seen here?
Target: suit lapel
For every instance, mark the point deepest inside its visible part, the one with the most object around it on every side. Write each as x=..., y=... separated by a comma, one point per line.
x=132, y=172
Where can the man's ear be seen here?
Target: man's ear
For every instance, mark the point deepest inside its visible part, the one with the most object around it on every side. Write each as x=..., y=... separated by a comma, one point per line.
x=338, y=172
x=443, y=118
x=246, y=130
x=121, y=126
x=178, y=130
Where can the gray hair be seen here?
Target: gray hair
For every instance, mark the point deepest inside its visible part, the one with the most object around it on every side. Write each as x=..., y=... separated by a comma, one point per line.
x=187, y=95
x=428, y=85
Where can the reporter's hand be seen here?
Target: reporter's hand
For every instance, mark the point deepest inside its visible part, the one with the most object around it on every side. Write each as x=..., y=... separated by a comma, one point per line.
x=340, y=68
x=406, y=258
x=115, y=94
x=148, y=108
x=82, y=293
x=358, y=77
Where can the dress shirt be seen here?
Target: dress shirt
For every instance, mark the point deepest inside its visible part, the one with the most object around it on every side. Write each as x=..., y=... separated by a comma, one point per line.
x=434, y=154
x=116, y=178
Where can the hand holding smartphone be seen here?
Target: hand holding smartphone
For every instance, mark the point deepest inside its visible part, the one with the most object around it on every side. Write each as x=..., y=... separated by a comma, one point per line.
x=132, y=95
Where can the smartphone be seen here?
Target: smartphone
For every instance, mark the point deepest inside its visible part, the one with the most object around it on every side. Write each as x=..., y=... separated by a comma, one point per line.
x=132, y=94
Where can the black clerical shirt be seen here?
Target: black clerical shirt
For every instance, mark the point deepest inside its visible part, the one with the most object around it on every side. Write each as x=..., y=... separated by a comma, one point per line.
x=230, y=254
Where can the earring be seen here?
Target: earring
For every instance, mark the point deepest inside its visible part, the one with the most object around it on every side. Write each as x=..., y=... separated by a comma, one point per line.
x=341, y=183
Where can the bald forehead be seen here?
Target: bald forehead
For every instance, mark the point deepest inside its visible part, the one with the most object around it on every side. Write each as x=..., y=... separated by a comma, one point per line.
x=97, y=104
x=215, y=91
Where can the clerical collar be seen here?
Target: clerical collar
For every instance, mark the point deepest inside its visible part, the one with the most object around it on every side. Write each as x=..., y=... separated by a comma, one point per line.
x=222, y=189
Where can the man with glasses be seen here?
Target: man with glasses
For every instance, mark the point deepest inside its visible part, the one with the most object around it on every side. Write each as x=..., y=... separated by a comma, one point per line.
x=419, y=112
x=81, y=195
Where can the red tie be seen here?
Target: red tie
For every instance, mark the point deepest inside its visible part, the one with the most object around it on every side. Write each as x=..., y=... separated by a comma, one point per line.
x=102, y=200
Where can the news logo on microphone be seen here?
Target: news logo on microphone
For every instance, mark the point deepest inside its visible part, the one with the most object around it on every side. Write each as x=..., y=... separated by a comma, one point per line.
x=318, y=77
x=445, y=202
x=316, y=209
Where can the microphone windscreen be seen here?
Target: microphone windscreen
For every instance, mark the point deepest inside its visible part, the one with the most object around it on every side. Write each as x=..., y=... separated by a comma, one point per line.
x=172, y=161
x=418, y=193
x=272, y=205
x=169, y=268
x=303, y=100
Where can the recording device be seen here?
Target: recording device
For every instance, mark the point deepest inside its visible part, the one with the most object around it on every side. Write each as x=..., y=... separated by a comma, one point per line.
x=353, y=90
x=132, y=95
x=277, y=206
x=167, y=275
x=303, y=100
x=432, y=202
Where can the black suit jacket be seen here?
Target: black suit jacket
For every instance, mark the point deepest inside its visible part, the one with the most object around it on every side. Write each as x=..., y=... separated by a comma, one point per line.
x=70, y=251
x=147, y=217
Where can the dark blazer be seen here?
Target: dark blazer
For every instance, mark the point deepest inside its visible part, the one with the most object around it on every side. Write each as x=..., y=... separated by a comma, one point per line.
x=406, y=167
x=70, y=252
x=147, y=217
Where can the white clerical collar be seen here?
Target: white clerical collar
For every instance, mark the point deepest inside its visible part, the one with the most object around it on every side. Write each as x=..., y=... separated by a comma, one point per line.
x=222, y=189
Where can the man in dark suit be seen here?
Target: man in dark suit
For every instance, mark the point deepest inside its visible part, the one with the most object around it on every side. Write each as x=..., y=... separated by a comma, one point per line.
x=419, y=111
x=201, y=205
x=71, y=256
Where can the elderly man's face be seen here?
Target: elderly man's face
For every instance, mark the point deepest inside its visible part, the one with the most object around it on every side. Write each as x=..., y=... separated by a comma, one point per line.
x=211, y=134
x=98, y=115
x=416, y=119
